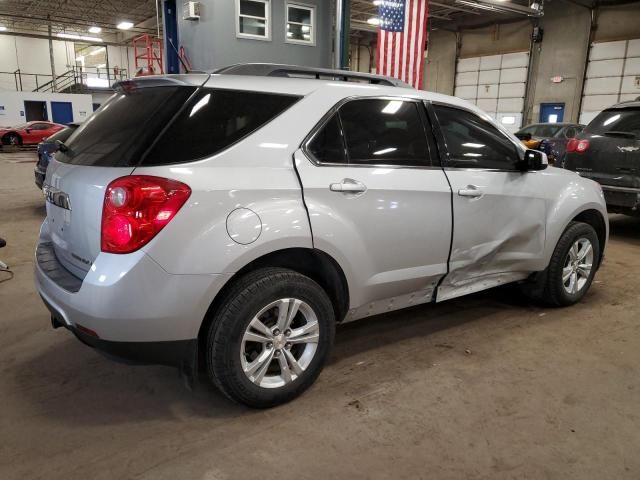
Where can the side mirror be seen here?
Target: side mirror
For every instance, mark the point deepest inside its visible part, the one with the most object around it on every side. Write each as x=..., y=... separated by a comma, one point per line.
x=28, y=130
x=533, y=160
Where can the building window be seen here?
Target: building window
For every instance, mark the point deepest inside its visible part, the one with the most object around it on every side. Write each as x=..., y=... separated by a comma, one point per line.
x=301, y=24
x=254, y=19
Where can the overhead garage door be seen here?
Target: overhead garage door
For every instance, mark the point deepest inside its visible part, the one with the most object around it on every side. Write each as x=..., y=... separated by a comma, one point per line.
x=613, y=75
x=496, y=84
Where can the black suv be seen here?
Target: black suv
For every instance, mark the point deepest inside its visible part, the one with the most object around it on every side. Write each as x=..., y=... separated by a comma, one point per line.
x=608, y=151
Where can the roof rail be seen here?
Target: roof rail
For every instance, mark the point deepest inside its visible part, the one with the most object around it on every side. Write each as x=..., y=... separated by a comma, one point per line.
x=297, y=71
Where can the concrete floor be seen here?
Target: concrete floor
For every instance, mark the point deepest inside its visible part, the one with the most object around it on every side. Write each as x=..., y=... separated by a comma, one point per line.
x=486, y=387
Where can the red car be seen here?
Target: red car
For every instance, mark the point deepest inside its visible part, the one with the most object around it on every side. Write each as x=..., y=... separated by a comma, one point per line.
x=30, y=133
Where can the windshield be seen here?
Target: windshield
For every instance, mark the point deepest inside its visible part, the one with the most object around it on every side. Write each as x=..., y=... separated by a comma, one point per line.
x=616, y=120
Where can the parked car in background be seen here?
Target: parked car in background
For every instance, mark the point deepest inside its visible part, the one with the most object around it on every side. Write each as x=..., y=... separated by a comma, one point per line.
x=608, y=151
x=47, y=148
x=230, y=221
x=550, y=138
x=29, y=133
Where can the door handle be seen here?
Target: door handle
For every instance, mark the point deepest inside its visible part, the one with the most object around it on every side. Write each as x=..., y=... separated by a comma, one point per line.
x=471, y=191
x=348, y=186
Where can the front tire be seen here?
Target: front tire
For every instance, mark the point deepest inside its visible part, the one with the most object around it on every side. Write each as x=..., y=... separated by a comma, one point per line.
x=270, y=337
x=571, y=270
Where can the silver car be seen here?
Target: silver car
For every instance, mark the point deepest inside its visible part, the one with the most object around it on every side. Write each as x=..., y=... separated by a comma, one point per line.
x=229, y=222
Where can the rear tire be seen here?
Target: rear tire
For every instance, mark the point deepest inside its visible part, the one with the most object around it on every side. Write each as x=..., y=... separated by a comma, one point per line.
x=571, y=270
x=270, y=337
x=12, y=138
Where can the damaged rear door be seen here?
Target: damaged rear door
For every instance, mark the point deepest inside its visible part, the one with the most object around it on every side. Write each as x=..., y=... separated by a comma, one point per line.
x=498, y=212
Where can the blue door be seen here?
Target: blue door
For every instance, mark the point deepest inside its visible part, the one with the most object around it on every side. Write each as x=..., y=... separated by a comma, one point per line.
x=551, y=112
x=62, y=112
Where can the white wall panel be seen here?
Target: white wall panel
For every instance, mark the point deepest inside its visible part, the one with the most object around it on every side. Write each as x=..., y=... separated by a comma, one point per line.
x=631, y=84
x=513, y=75
x=512, y=121
x=491, y=62
x=602, y=86
x=488, y=104
x=597, y=103
x=510, y=105
x=468, y=93
x=469, y=64
x=512, y=90
x=488, y=91
x=467, y=78
x=515, y=60
x=627, y=97
x=489, y=76
x=605, y=68
x=586, y=117
x=633, y=50
x=607, y=50
x=632, y=66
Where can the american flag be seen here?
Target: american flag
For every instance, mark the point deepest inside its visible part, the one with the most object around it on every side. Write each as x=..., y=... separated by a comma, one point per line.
x=401, y=39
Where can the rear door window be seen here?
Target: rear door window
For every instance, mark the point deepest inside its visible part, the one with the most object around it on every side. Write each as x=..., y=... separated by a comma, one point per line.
x=384, y=132
x=214, y=120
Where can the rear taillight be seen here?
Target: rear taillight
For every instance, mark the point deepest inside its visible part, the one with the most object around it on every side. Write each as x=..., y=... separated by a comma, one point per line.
x=577, y=146
x=136, y=208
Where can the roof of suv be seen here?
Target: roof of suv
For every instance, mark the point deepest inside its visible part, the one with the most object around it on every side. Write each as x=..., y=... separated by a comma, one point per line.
x=628, y=104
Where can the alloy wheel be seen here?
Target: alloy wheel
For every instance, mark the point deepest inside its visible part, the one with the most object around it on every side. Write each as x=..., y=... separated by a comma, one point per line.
x=577, y=266
x=279, y=343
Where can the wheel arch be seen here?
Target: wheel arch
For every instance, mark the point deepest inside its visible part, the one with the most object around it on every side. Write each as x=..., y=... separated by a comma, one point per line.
x=597, y=221
x=314, y=263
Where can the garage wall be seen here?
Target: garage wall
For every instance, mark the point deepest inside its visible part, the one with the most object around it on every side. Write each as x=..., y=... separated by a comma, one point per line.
x=31, y=55
x=211, y=42
x=440, y=64
x=12, y=104
x=496, y=84
x=613, y=75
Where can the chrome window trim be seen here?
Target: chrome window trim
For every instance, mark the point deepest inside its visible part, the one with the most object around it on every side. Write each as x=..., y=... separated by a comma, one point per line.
x=304, y=146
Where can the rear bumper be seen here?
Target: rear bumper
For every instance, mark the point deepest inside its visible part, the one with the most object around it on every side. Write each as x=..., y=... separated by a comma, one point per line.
x=622, y=198
x=128, y=306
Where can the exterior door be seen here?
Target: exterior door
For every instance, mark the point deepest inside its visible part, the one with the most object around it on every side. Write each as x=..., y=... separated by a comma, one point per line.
x=499, y=213
x=62, y=112
x=377, y=203
x=551, y=112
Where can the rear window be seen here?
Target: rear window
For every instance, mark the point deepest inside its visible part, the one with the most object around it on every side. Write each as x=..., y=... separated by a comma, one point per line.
x=214, y=120
x=123, y=128
x=616, y=120
x=184, y=126
x=61, y=135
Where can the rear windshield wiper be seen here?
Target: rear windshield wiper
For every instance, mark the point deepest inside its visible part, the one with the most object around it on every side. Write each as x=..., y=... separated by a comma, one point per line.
x=614, y=133
x=61, y=146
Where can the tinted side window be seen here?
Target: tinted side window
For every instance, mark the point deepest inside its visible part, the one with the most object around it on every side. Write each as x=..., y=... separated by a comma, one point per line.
x=214, y=120
x=570, y=132
x=40, y=126
x=474, y=143
x=327, y=145
x=384, y=132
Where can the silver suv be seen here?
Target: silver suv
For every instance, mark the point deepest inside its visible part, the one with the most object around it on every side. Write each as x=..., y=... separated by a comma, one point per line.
x=229, y=222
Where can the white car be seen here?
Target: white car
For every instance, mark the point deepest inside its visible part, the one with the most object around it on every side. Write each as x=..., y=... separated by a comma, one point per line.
x=231, y=221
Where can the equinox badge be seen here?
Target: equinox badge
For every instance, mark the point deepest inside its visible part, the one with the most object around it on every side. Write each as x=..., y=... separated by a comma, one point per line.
x=57, y=197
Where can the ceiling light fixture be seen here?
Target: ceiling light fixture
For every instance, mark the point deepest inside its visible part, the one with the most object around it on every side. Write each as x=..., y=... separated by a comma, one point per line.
x=373, y=21
x=3, y=28
x=95, y=29
x=126, y=25
x=73, y=36
x=501, y=6
x=97, y=51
